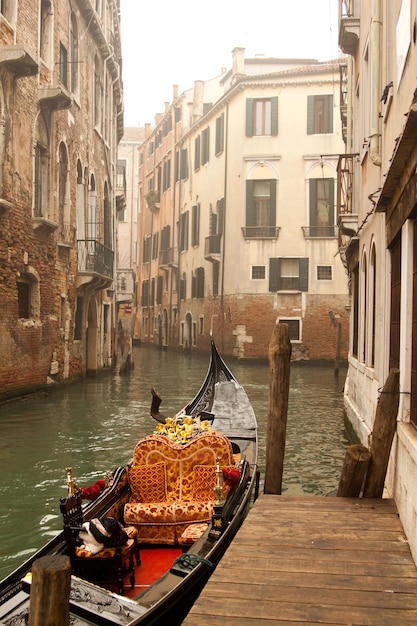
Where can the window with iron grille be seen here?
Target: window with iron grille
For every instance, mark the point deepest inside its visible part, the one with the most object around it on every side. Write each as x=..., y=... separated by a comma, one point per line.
x=324, y=272
x=258, y=272
x=294, y=327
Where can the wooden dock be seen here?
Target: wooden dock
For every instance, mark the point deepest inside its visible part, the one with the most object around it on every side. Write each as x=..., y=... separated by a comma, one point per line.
x=313, y=560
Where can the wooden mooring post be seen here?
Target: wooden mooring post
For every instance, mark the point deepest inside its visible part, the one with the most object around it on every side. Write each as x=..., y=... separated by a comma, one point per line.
x=354, y=471
x=385, y=425
x=50, y=591
x=279, y=384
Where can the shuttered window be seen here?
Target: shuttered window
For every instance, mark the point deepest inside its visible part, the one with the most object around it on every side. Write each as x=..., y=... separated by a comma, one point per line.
x=288, y=274
x=319, y=114
x=261, y=116
x=219, y=147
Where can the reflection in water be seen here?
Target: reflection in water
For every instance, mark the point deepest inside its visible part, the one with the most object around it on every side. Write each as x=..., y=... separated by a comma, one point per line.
x=93, y=426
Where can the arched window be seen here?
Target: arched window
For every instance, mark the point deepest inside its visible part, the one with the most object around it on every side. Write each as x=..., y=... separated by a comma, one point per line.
x=63, y=205
x=372, y=302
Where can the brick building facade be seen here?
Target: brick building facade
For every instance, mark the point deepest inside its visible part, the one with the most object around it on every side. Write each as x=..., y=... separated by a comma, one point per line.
x=60, y=124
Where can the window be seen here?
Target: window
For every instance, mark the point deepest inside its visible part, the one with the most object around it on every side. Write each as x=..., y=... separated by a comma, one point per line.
x=98, y=94
x=159, y=287
x=63, y=65
x=205, y=146
x=41, y=180
x=319, y=114
x=324, y=272
x=183, y=231
x=195, y=225
x=78, y=326
x=167, y=175
x=321, y=207
x=219, y=147
x=201, y=325
x=74, y=55
x=288, y=274
x=23, y=298
x=260, y=208
x=183, y=287
x=63, y=205
x=145, y=293
x=45, y=38
x=146, y=251
x=28, y=294
x=183, y=163
x=261, y=116
x=215, y=279
x=197, y=153
x=8, y=9
x=258, y=272
x=155, y=240
x=294, y=327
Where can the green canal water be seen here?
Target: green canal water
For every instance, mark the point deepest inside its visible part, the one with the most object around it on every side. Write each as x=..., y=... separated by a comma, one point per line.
x=94, y=424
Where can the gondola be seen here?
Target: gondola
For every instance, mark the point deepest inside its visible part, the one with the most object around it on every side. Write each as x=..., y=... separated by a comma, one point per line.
x=209, y=452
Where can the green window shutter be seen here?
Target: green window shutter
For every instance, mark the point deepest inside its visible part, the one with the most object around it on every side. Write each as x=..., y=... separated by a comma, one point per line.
x=249, y=203
x=331, y=201
x=329, y=113
x=274, y=270
x=303, y=274
x=274, y=115
x=310, y=115
x=220, y=220
x=273, y=202
x=249, y=117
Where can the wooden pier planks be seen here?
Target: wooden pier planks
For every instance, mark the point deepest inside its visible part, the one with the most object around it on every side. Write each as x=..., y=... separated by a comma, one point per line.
x=313, y=560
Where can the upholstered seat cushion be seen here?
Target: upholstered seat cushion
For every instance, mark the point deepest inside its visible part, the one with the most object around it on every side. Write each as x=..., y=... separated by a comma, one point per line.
x=140, y=513
x=106, y=553
x=191, y=533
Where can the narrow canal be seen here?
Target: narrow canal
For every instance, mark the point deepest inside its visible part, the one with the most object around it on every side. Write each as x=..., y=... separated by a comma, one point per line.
x=93, y=426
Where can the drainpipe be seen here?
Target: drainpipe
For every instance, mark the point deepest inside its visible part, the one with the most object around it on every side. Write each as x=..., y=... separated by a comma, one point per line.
x=375, y=72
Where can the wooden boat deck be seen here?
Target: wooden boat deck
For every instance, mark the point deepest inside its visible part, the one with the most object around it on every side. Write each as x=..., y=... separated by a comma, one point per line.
x=313, y=560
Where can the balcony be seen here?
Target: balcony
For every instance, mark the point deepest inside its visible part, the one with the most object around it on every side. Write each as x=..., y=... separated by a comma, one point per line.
x=347, y=219
x=19, y=61
x=212, y=248
x=168, y=258
x=260, y=232
x=55, y=98
x=348, y=28
x=317, y=232
x=94, y=258
x=66, y=235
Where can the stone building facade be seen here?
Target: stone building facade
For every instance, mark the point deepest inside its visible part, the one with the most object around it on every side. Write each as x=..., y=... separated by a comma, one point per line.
x=238, y=224
x=61, y=118
x=378, y=222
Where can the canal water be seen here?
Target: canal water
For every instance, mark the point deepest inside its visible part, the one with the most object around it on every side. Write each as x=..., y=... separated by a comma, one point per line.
x=93, y=426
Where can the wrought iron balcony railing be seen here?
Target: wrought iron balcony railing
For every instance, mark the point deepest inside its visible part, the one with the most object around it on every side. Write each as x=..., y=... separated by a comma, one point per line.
x=311, y=232
x=94, y=258
x=260, y=232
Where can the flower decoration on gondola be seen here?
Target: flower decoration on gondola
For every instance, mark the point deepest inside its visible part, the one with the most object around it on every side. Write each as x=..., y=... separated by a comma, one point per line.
x=182, y=428
x=93, y=491
x=231, y=476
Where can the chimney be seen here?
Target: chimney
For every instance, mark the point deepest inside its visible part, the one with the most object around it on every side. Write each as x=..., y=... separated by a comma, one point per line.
x=174, y=92
x=147, y=129
x=198, y=100
x=238, y=57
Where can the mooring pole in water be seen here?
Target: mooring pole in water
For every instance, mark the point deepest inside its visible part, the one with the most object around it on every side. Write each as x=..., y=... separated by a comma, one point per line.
x=279, y=385
x=354, y=470
x=338, y=326
x=385, y=425
x=50, y=591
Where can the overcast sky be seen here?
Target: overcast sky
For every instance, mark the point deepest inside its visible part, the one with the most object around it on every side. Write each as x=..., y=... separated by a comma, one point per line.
x=175, y=42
